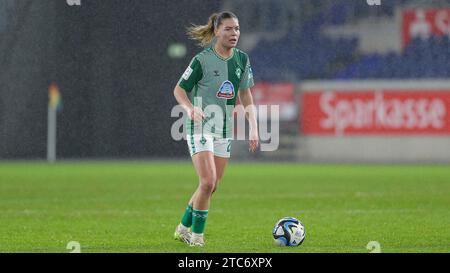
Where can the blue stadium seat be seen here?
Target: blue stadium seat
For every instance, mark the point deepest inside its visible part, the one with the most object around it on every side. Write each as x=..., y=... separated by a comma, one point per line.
x=306, y=54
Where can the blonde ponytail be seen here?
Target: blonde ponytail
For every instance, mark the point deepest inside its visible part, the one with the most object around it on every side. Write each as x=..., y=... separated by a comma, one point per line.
x=203, y=34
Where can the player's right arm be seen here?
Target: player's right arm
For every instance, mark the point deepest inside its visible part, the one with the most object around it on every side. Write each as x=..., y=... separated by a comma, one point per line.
x=188, y=80
x=195, y=113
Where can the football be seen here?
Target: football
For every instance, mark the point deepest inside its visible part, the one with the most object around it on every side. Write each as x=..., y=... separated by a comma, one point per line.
x=289, y=231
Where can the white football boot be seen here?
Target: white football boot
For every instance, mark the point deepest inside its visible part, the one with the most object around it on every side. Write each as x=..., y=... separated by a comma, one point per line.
x=196, y=240
x=182, y=234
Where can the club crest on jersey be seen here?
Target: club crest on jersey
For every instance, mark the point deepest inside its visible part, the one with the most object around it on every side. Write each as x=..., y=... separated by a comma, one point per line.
x=238, y=72
x=226, y=90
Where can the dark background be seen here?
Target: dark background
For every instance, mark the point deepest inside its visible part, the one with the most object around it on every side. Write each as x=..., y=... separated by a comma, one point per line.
x=110, y=61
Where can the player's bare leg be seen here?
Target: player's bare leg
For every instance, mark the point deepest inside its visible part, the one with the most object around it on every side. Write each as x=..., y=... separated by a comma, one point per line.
x=206, y=170
x=199, y=203
x=221, y=163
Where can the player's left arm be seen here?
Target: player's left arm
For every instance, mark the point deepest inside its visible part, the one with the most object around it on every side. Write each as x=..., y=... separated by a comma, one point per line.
x=246, y=99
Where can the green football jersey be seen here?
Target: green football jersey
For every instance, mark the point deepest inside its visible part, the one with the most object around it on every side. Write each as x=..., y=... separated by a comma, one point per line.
x=213, y=80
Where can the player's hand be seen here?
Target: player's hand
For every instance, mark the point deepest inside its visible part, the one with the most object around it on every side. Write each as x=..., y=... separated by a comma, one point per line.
x=254, y=140
x=196, y=114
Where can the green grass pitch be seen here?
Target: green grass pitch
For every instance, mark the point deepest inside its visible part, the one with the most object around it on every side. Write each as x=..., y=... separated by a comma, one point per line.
x=135, y=206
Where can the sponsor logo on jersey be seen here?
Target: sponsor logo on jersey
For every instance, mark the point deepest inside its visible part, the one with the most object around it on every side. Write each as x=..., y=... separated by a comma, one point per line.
x=226, y=90
x=216, y=73
x=187, y=73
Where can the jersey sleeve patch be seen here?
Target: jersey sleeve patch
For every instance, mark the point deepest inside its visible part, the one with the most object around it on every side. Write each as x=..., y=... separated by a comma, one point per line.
x=187, y=73
x=191, y=76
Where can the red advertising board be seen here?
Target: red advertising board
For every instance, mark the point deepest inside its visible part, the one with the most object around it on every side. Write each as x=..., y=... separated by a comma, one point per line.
x=282, y=94
x=424, y=22
x=375, y=112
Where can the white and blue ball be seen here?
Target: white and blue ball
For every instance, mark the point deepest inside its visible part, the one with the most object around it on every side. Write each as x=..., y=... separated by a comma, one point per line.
x=289, y=231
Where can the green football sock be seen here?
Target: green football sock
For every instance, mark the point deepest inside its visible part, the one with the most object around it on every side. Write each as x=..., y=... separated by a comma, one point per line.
x=199, y=221
x=186, y=220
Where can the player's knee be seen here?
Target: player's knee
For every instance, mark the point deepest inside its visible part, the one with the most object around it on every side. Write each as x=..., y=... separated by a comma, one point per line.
x=207, y=187
x=207, y=184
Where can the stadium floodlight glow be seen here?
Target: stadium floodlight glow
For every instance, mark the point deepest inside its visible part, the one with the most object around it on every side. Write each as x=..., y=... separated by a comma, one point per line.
x=176, y=50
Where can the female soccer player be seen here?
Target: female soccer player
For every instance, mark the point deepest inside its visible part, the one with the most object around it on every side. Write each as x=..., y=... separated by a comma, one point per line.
x=214, y=77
